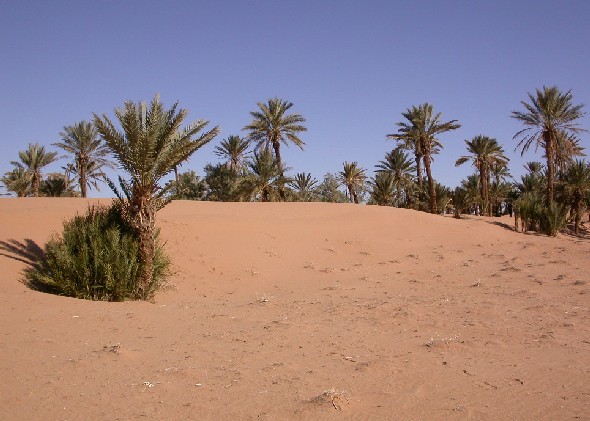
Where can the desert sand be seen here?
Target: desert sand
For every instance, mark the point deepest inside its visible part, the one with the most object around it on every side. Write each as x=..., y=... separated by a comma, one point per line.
x=306, y=311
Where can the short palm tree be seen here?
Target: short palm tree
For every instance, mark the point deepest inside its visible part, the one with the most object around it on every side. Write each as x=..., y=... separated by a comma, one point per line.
x=148, y=148
x=383, y=188
x=33, y=160
x=264, y=179
x=401, y=168
x=576, y=187
x=549, y=117
x=233, y=150
x=303, y=184
x=271, y=126
x=420, y=130
x=485, y=153
x=353, y=178
x=90, y=154
x=17, y=181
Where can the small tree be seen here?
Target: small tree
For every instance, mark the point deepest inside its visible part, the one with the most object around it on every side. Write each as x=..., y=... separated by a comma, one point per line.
x=150, y=146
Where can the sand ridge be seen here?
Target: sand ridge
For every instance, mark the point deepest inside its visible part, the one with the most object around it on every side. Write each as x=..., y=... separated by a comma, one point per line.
x=306, y=311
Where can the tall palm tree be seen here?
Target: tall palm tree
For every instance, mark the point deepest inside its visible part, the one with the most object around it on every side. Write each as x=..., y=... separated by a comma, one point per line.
x=303, y=184
x=272, y=126
x=486, y=153
x=420, y=129
x=149, y=147
x=33, y=160
x=549, y=116
x=576, y=187
x=17, y=181
x=353, y=178
x=234, y=150
x=90, y=153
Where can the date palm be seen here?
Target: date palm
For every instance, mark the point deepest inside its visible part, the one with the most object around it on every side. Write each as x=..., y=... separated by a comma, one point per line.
x=17, y=181
x=149, y=147
x=383, y=188
x=353, y=178
x=548, y=117
x=271, y=126
x=485, y=153
x=33, y=160
x=400, y=167
x=264, y=179
x=303, y=184
x=90, y=154
x=234, y=151
x=421, y=129
x=576, y=187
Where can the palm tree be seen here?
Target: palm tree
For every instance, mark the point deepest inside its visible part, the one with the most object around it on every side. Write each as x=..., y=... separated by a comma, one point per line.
x=549, y=117
x=33, y=160
x=353, y=178
x=148, y=148
x=576, y=187
x=264, y=180
x=383, y=188
x=234, y=150
x=400, y=167
x=57, y=185
x=486, y=153
x=271, y=125
x=420, y=130
x=82, y=141
x=303, y=184
x=17, y=181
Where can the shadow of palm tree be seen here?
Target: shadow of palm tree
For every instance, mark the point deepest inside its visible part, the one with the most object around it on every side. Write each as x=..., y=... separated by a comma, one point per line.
x=27, y=252
x=31, y=254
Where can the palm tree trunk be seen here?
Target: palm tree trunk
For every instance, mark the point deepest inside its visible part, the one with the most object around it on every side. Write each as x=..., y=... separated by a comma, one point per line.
x=419, y=170
x=549, y=151
x=143, y=220
x=277, y=148
x=82, y=181
x=35, y=184
x=431, y=190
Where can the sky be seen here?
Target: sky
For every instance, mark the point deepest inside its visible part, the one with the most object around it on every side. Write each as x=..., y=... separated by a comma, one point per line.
x=351, y=68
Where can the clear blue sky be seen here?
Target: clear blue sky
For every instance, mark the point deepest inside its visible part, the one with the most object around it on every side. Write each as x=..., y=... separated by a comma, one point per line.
x=350, y=68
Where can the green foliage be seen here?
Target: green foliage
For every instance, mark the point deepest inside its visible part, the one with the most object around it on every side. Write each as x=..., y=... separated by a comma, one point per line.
x=223, y=184
x=327, y=190
x=188, y=187
x=553, y=219
x=33, y=160
x=57, y=185
x=96, y=258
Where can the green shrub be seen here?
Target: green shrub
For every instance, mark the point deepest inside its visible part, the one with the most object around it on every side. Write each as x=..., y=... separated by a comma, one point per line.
x=96, y=258
x=553, y=219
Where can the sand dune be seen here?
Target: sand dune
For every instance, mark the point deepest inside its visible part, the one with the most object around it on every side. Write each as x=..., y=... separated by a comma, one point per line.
x=297, y=311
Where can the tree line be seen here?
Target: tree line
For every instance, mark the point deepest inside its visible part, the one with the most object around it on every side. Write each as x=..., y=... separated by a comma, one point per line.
x=251, y=167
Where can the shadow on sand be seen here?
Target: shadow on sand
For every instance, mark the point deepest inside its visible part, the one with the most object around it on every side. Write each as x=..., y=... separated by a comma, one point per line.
x=31, y=254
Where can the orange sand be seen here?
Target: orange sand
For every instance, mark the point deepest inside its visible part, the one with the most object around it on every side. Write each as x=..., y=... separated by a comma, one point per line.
x=298, y=311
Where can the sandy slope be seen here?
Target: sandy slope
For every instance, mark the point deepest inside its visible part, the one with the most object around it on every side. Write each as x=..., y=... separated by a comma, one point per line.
x=305, y=312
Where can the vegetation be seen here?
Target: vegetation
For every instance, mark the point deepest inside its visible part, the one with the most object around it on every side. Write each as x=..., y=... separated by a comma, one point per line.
x=32, y=162
x=150, y=146
x=418, y=134
x=96, y=258
x=486, y=153
x=550, y=122
x=90, y=155
x=271, y=126
x=354, y=179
